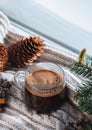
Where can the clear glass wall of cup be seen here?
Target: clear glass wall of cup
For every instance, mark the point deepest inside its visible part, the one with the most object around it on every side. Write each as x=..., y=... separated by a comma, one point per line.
x=44, y=86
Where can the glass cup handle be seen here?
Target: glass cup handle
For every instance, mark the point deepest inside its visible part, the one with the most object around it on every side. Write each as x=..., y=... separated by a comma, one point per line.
x=19, y=79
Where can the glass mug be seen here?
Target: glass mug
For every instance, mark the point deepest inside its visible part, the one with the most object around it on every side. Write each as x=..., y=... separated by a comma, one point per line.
x=44, y=86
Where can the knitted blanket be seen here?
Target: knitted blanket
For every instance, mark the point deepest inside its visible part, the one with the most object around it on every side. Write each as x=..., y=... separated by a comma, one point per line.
x=16, y=116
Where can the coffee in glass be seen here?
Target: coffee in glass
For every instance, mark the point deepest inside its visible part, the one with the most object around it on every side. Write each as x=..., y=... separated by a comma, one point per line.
x=44, y=87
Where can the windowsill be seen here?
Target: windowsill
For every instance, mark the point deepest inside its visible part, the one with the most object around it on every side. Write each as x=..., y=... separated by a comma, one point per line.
x=45, y=23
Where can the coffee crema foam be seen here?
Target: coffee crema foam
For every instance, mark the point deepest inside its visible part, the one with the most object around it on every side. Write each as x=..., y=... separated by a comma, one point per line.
x=44, y=79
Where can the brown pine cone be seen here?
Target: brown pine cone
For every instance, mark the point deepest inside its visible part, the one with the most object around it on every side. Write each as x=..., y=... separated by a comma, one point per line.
x=24, y=51
x=3, y=57
x=4, y=91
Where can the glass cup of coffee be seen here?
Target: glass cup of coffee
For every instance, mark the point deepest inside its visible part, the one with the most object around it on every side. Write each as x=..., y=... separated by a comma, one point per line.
x=44, y=87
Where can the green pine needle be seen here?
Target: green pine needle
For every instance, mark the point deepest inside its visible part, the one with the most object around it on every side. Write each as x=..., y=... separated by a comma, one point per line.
x=83, y=69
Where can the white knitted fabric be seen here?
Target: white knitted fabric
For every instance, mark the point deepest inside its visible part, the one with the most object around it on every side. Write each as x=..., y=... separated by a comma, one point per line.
x=17, y=117
x=4, y=26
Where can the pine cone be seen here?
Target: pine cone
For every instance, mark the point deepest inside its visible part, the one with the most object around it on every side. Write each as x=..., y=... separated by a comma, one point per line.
x=3, y=57
x=24, y=51
x=4, y=91
x=4, y=87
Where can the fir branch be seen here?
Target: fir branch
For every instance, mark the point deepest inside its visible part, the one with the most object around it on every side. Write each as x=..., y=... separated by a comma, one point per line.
x=83, y=69
x=84, y=98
